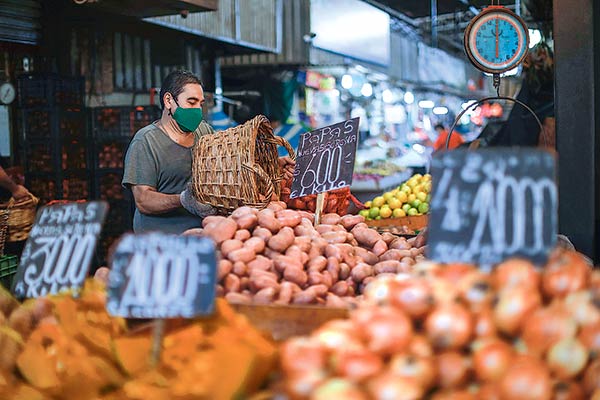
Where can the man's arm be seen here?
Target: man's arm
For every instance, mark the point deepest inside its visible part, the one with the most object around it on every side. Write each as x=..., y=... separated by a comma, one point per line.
x=149, y=201
x=17, y=191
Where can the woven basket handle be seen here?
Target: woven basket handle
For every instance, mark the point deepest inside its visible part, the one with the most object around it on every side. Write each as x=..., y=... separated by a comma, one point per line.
x=12, y=202
x=262, y=175
x=280, y=141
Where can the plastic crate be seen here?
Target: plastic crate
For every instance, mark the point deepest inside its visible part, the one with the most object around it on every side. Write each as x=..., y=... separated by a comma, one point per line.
x=42, y=186
x=109, y=187
x=110, y=154
x=40, y=156
x=50, y=89
x=120, y=122
x=74, y=155
x=8, y=269
x=43, y=123
x=75, y=187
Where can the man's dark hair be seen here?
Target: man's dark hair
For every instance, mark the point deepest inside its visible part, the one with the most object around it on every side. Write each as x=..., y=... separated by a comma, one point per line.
x=174, y=84
x=439, y=126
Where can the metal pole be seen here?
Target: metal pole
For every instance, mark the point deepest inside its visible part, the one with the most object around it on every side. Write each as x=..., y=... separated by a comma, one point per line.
x=518, y=7
x=434, y=32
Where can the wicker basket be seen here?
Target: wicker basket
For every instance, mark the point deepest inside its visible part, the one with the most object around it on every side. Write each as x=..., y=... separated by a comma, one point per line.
x=21, y=216
x=238, y=167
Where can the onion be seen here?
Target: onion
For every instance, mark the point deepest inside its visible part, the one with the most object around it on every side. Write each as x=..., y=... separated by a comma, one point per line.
x=581, y=306
x=419, y=346
x=338, y=389
x=589, y=335
x=378, y=291
x=564, y=274
x=567, y=358
x=476, y=291
x=413, y=296
x=454, y=395
x=488, y=391
x=301, y=354
x=449, y=326
x=337, y=334
x=388, y=331
x=421, y=369
x=516, y=272
x=484, y=323
x=452, y=369
x=454, y=273
x=514, y=305
x=444, y=291
x=303, y=384
x=591, y=377
x=526, y=379
x=547, y=326
x=391, y=387
x=491, y=360
x=357, y=365
x=567, y=390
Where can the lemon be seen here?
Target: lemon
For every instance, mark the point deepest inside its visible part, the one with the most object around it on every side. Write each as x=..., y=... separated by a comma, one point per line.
x=427, y=186
x=385, y=212
x=415, y=203
x=395, y=192
x=369, y=204
x=364, y=213
x=398, y=212
x=387, y=196
x=394, y=203
x=412, y=183
x=423, y=208
x=378, y=201
x=406, y=207
x=374, y=212
x=412, y=211
x=412, y=197
x=406, y=189
x=427, y=177
x=402, y=196
x=417, y=176
x=421, y=196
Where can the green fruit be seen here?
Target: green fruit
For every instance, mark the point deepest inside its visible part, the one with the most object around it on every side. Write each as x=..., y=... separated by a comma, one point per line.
x=423, y=208
x=428, y=199
x=374, y=212
x=364, y=213
x=413, y=211
x=421, y=196
x=415, y=203
x=406, y=207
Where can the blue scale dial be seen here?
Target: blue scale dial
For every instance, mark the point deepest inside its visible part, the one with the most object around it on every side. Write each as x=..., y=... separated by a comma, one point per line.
x=496, y=40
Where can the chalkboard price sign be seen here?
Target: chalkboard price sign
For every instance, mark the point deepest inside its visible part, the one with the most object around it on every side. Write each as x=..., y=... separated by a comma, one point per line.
x=489, y=205
x=157, y=275
x=325, y=159
x=59, y=249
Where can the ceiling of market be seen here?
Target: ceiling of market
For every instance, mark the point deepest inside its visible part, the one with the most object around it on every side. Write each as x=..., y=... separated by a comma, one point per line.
x=422, y=8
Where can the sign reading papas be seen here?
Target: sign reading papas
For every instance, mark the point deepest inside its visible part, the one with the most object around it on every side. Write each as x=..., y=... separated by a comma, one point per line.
x=325, y=159
x=158, y=275
x=489, y=205
x=59, y=249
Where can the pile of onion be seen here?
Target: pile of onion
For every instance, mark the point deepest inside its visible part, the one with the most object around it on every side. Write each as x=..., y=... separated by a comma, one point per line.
x=454, y=332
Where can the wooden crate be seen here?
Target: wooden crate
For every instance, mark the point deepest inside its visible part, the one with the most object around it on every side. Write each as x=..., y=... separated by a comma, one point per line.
x=416, y=222
x=283, y=322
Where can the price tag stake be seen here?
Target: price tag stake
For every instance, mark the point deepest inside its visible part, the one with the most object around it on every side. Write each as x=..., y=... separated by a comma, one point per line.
x=158, y=332
x=319, y=208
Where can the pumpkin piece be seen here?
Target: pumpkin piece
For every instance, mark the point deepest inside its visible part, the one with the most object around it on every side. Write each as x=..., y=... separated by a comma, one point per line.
x=149, y=385
x=110, y=376
x=26, y=392
x=93, y=295
x=181, y=346
x=11, y=344
x=133, y=353
x=266, y=354
x=95, y=339
x=197, y=379
x=79, y=379
x=7, y=302
x=38, y=369
x=21, y=319
x=65, y=309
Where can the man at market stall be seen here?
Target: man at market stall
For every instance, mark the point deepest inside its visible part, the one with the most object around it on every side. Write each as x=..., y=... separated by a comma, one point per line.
x=440, y=144
x=158, y=163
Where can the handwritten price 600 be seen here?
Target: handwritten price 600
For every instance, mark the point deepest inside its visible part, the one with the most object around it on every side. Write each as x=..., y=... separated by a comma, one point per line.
x=322, y=173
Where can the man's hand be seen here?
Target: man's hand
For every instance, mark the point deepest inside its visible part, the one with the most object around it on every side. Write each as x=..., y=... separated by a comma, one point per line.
x=287, y=167
x=20, y=193
x=193, y=206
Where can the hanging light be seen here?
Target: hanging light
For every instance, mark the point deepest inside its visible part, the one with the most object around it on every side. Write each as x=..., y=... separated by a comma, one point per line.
x=535, y=37
x=387, y=96
x=409, y=98
x=347, y=81
x=426, y=104
x=440, y=110
x=367, y=90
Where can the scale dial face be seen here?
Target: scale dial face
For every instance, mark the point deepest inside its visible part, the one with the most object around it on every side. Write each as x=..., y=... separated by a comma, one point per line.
x=7, y=93
x=496, y=40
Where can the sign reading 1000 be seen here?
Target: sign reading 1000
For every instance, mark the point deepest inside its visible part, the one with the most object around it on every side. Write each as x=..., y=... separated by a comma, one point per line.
x=325, y=159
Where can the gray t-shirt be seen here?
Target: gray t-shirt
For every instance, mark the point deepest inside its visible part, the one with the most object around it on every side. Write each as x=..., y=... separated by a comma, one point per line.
x=155, y=160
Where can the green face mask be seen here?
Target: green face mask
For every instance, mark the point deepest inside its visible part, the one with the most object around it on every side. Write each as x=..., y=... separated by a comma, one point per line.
x=188, y=119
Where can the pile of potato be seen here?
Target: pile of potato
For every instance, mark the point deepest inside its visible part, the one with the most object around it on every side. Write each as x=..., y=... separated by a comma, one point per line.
x=276, y=255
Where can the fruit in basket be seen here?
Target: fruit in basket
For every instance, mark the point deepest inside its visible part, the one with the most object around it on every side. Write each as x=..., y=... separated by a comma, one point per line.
x=412, y=197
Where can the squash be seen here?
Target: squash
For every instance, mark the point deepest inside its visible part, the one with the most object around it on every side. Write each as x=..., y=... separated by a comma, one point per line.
x=133, y=353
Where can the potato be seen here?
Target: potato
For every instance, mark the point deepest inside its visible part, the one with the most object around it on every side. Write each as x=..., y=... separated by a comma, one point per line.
x=247, y=222
x=238, y=298
x=295, y=252
x=256, y=273
x=327, y=279
x=262, y=233
x=404, y=268
x=330, y=219
x=379, y=248
x=21, y=320
x=350, y=221
x=242, y=234
x=222, y=230
x=339, y=288
x=388, y=238
x=334, y=301
x=334, y=251
x=317, y=264
x=366, y=237
x=194, y=232
x=212, y=220
x=307, y=215
x=400, y=244
x=334, y=237
x=345, y=271
x=361, y=271
x=414, y=252
x=320, y=290
x=303, y=243
x=282, y=240
x=421, y=239
x=289, y=218
x=265, y=296
x=389, y=266
x=394, y=254
x=256, y=244
x=244, y=283
x=230, y=245
x=244, y=254
x=322, y=229
x=333, y=267
x=286, y=291
x=224, y=268
x=261, y=263
x=266, y=219
x=307, y=296
x=284, y=262
x=315, y=278
x=361, y=225
x=232, y=283
x=240, y=268
x=220, y=291
x=260, y=282
x=243, y=211
x=270, y=253
x=295, y=275
x=276, y=206
x=408, y=260
x=366, y=255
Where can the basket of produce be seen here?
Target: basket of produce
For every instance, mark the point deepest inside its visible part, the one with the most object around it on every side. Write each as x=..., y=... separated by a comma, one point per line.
x=20, y=217
x=336, y=201
x=238, y=166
